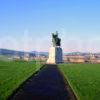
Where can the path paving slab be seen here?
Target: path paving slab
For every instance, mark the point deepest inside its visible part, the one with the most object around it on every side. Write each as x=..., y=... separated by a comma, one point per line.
x=47, y=84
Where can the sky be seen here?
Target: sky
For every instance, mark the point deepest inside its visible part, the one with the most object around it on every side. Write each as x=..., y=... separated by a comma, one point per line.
x=27, y=24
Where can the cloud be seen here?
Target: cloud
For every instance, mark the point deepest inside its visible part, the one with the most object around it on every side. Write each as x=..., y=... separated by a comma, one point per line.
x=25, y=43
x=29, y=43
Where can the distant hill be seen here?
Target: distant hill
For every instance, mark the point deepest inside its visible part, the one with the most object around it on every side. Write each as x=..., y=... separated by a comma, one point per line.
x=81, y=53
x=14, y=52
x=40, y=53
x=8, y=52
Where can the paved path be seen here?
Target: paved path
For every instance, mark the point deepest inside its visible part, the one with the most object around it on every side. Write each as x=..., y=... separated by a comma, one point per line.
x=48, y=84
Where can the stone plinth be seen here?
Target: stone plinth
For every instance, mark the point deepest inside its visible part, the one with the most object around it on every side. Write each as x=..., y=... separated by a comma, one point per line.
x=55, y=55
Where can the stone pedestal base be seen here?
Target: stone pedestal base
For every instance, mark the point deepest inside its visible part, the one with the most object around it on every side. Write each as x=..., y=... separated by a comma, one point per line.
x=55, y=55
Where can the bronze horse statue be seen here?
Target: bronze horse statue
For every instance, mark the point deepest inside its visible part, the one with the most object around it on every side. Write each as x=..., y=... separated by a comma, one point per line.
x=56, y=41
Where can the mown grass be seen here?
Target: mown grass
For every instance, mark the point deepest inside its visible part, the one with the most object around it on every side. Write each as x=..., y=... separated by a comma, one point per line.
x=13, y=73
x=84, y=79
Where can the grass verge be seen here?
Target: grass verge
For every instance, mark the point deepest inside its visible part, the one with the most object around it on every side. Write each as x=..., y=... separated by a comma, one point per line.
x=13, y=74
x=84, y=80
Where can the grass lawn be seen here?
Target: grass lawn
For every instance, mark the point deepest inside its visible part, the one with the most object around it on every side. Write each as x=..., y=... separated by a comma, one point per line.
x=84, y=79
x=13, y=73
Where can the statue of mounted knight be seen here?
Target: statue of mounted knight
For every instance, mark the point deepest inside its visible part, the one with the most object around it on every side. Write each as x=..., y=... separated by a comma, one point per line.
x=56, y=41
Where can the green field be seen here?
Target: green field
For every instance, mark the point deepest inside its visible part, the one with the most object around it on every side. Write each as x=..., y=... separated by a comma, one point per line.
x=13, y=73
x=84, y=79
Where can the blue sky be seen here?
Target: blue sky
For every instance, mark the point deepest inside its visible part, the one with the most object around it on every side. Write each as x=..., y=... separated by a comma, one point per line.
x=28, y=24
